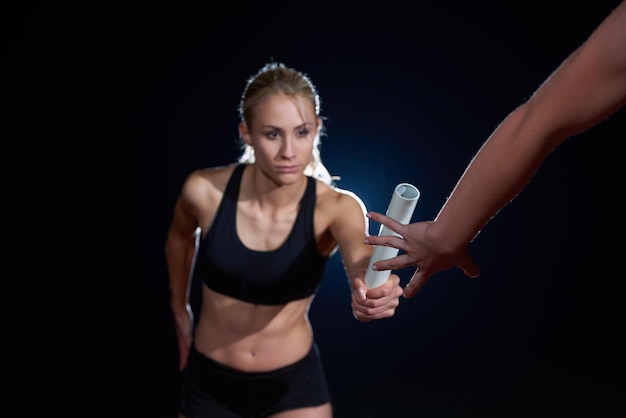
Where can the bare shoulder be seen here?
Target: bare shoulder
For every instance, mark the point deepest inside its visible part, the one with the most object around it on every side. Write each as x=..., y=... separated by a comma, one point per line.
x=343, y=214
x=341, y=200
x=207, y=182
x=203, y=189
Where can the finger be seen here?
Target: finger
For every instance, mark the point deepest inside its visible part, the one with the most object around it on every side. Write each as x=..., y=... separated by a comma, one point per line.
x=387, y=291
x=418, y=281
x=361, y=289
x=385, y=220
x=469, y=266
x=359, y=311
x=360, y=316
x=386, y=240
x=383, y=313
x=362, y=312
x=395, y=263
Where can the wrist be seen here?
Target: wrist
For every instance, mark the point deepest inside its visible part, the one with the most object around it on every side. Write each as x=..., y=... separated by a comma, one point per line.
x=445, y=240
x=180, y=308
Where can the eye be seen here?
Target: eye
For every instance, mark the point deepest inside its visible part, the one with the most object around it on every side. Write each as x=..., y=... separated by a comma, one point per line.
x=302, y=133
x=272, y=134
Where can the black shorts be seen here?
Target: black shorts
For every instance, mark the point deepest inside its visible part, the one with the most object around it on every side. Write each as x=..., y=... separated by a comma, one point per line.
x=212, y=389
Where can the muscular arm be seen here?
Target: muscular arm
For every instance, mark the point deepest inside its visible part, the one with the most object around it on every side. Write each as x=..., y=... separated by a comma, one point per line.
x=349, y=228
x=586, y=88
x=180, y=249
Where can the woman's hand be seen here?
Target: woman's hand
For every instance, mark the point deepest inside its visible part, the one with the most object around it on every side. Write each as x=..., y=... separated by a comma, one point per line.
x=377, y=303
x=183, y=320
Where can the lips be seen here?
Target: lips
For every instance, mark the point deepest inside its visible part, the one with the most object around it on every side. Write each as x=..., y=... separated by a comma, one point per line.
x=288, y=169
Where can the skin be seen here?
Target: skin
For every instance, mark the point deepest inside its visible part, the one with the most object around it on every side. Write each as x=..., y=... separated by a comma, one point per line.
x=585, y=89
x=252, y=337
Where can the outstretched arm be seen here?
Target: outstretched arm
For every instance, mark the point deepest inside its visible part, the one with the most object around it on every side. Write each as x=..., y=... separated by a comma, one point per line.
x=349, y=228
x=585, y=89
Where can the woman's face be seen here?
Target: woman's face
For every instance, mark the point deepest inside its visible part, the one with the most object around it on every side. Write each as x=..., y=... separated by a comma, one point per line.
x=282, y=132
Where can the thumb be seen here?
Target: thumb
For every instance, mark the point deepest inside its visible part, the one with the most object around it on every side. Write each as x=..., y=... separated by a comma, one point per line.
x=418, y=281
x=360, y=287
x=469, y=266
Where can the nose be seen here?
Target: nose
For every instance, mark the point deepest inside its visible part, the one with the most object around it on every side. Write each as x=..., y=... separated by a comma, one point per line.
x=287, y=149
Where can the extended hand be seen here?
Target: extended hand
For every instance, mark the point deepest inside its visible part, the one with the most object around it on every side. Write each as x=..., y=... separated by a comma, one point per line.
x=420, y=250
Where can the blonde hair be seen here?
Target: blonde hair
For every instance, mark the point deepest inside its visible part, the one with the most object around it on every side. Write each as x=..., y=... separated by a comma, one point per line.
x=272, y=78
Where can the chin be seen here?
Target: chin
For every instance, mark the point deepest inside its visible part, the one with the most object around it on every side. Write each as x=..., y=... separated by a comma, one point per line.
x=288, y=178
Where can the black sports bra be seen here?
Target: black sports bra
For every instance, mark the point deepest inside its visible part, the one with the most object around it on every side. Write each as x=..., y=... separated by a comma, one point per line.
x=292, y=271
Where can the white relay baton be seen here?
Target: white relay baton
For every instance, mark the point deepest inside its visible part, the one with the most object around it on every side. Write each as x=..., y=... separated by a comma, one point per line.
x=401, y=208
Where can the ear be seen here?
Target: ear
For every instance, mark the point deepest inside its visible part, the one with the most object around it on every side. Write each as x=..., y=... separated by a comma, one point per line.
x=244, y=134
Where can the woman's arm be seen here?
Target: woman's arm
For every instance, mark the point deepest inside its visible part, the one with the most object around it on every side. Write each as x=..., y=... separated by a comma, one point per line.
x=349, y=228
x=179, y=251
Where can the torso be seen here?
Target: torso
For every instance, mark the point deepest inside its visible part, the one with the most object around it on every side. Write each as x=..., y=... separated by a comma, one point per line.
x=246, y=335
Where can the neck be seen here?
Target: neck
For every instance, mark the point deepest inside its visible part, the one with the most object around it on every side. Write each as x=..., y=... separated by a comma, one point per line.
x=258, y=186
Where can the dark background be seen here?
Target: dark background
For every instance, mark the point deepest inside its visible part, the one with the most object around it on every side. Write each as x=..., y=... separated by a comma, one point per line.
x=111, y=107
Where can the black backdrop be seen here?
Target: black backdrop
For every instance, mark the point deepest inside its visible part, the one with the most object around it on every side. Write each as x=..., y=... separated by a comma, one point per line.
x=116, y=105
